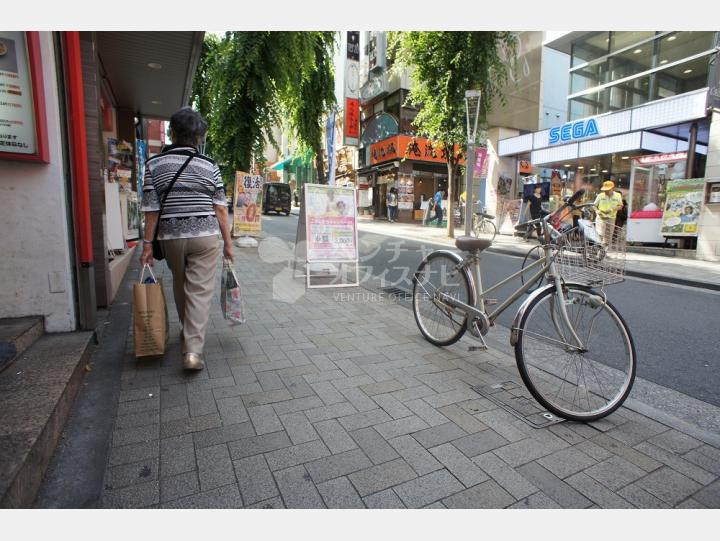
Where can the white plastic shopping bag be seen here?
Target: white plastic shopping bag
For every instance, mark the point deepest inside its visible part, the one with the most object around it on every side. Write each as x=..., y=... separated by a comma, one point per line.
x=231, y=298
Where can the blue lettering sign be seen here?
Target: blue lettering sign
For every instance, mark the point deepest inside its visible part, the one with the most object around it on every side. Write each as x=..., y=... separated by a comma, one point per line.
x=572, y=131
x=554, y=135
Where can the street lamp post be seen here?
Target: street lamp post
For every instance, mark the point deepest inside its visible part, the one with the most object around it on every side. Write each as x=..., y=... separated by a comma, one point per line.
x=472, y=114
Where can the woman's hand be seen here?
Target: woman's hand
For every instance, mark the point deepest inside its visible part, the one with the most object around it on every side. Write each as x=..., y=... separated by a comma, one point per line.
x=228, y=252
x=146, y=258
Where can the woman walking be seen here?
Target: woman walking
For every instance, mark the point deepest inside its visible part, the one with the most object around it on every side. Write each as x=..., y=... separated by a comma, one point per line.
x=188, y=188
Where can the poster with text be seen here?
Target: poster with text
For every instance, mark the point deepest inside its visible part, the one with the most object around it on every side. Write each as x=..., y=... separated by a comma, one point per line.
x=17, y=111
x=683, y=202
x=247, y=204
x=331, y=223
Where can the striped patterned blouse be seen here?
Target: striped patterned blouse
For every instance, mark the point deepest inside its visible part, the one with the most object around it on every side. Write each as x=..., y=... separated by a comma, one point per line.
x=188, y=210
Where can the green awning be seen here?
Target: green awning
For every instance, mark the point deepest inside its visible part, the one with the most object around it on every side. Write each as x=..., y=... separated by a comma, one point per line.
x=281, y=165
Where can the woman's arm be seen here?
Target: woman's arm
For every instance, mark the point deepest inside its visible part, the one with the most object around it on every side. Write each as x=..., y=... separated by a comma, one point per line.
x=151, y=220
x=221, y=212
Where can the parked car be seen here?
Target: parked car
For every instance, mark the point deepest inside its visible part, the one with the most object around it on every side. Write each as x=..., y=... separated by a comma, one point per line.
x=276, y=197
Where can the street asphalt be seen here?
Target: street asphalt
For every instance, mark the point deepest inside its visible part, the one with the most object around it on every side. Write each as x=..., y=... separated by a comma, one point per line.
x=674, y=327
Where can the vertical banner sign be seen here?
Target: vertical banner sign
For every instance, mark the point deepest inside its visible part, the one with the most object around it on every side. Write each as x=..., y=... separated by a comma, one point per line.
x=248, y=203
x=683, y=202
x=330, y=135
x=331, y=224
x=17, y=111
x=480, y=162
x=351, y=99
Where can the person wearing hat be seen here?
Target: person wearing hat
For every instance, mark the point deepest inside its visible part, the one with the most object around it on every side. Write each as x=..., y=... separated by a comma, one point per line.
x=607, y=203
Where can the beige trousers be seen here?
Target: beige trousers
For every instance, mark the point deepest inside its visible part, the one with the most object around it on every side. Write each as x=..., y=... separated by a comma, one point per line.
x=193, y=263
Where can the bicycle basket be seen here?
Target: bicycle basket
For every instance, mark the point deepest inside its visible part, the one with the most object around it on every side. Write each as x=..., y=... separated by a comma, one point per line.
x=596, y=257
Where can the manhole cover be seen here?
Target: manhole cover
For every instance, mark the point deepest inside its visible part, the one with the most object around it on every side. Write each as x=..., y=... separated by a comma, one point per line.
x=514, y=398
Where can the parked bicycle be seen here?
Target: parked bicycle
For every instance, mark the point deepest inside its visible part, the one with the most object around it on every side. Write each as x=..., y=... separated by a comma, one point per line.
x=483, y=224
x=573, y=350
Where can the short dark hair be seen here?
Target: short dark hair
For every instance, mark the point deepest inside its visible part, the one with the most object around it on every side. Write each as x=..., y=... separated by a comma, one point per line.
x=188, y=127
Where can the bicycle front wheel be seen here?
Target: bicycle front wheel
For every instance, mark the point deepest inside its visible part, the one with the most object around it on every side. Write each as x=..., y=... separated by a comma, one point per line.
x=440, y=323
x=576, y=384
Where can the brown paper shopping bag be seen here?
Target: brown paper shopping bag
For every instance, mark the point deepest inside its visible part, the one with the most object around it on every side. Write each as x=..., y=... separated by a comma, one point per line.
x=150, y=317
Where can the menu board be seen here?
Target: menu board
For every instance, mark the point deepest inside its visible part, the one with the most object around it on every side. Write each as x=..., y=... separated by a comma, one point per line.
x=406, y=190
x=17, y=111
x=331, y=221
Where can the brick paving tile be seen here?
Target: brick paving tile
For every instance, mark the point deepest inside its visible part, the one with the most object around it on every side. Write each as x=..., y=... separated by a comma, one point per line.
x=392, y=406
x=258, y=444
x=521, y=452
x=505, y=476
x=615, y=473
x=632, y=432
x=415, y=454
x=639, y=459
x=177, y=455
x=298, y=428
x=298, y=404
x=264, y=419
x=553, y=486
x=462, y=418
x=296, y=454
x=190, y=425
x=437, y=435
x=501, y=422
x=358, y=399
x=136, y=434
x=677, y=463
x=255, y=480
x=382, y=387
x=338, y=465
x=706, y=457
x=340, y=494
x=428, y=489
x=334, y=436
x=377, y=478
x=132, y=474
x=709, y=496
x=641, y=498
x=179, y=486
x=488, y=495
x=225, y=497
x=459, y=465
x=297, y=489
x=566, y=462
x=330, y=412
x=596, y=492
x=364, y=419
x=133, y=496
x=691, y=503
x=385, y=499
x=669, y=485
x=426, y=412
x=133, y=452
x=400, y=427
x=538, y=500
x=215, y=468
x=479, y=443
x=223, y=434
x=272, y=503
x=675, y=442
x=374, y=445
x=327, y=393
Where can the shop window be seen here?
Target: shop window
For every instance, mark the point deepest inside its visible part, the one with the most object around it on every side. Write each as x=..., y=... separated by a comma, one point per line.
x=594, y=46
x=631, y=62
x=621, y=40
x=679, y=45
x=588, y=77
x=683, y=78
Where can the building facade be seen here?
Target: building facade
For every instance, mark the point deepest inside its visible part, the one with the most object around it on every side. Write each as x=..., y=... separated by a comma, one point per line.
x=641, y=108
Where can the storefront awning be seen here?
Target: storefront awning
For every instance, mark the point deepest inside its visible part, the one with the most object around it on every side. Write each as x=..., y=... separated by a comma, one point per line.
x=279, y=166
x=149, y=73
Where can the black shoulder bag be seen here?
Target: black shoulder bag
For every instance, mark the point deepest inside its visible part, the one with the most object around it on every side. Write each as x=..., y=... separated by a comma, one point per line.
x=157, y=248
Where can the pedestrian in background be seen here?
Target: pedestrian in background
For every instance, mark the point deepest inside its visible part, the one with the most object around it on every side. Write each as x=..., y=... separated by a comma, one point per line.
x=437, y=207
x=392, y=204
x=608, y=203
x=194, y=216
x=536, y=211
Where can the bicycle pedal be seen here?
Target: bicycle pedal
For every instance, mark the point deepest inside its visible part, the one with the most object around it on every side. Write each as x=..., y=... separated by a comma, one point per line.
x=478, y=348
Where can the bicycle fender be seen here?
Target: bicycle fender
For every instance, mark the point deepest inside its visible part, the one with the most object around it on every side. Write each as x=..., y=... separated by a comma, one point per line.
x=452, y=255
x=524, y=306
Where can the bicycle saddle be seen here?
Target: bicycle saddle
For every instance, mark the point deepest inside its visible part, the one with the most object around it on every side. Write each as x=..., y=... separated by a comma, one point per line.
x=470, y=244
x=485, y=215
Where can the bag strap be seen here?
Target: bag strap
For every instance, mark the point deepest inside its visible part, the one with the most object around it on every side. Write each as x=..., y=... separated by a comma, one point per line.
x=170, y=187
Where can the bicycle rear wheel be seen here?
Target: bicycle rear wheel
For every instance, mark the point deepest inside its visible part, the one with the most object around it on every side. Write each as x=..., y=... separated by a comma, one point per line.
x=579, y=385
x=485, y=227
x=438, y=322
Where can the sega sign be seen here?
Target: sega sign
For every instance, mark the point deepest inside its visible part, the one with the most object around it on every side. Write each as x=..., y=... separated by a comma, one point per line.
x=573, y=131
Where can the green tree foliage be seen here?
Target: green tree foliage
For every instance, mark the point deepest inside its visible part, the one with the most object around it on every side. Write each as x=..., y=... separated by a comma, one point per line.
x=249, y=82
x=445, y=65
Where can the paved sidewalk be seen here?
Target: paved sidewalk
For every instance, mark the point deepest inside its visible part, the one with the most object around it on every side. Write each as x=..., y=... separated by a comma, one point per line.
x=671, y=269
x=337, y=401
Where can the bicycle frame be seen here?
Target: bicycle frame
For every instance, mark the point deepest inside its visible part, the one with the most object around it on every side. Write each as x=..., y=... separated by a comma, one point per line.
x=477, y=311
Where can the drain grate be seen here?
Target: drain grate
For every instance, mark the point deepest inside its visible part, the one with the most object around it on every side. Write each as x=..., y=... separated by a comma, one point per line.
x=517, y=401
